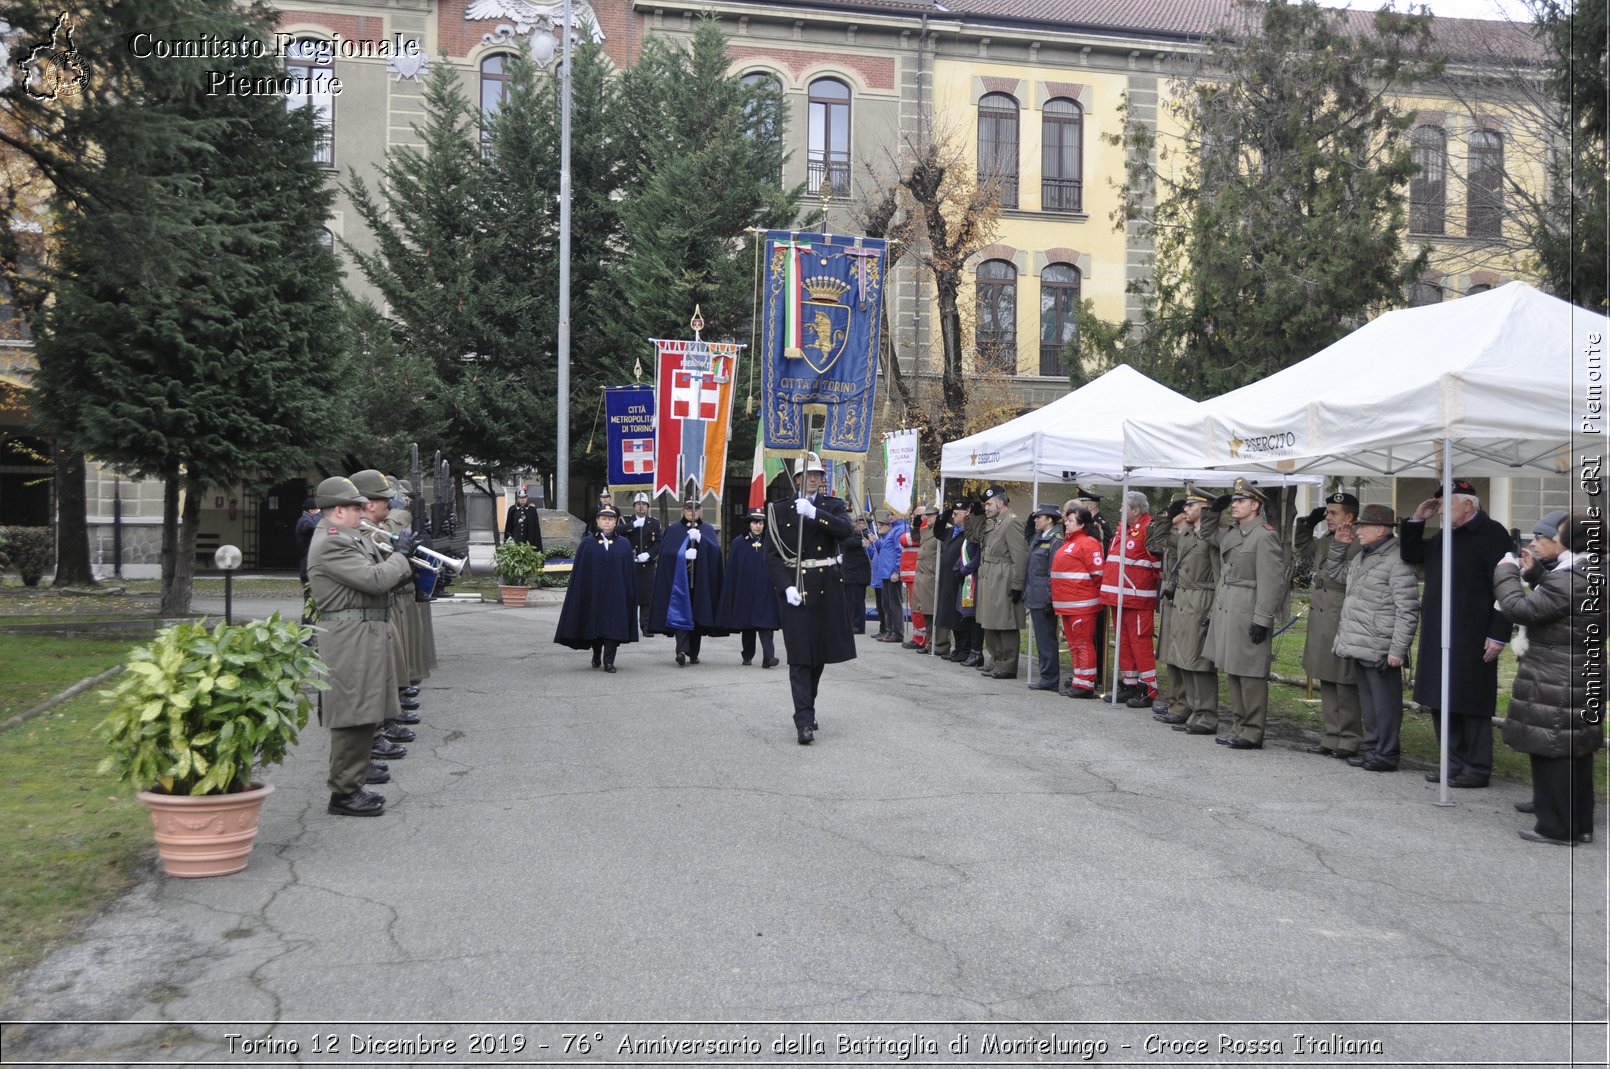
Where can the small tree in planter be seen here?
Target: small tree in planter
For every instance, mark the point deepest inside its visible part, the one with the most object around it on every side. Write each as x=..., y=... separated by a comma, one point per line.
x=518, y=564
x=197, y=713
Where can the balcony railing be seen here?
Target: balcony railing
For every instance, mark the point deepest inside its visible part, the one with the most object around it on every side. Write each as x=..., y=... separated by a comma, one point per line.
x=837, y=172
x=1061, y=195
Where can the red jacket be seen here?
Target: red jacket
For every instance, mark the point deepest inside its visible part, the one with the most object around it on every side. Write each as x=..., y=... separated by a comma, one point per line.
x=1076, y=575
x=1143, y=573
x=908, y=558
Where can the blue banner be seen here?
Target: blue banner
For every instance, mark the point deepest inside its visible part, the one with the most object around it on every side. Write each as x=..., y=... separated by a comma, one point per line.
x=821, y=314
x=630, y=413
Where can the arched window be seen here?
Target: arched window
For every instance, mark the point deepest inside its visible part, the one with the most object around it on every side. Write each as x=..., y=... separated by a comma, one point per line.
x=494, y=87
x=1425, y=293
x=765, y=113
x=996, y=336
x=1428, y=189
x=997, y=145
x=1059, y=307
x=1062, y=163
x=1484, y=187
x=326, y=238
x=1480, y=287
x=310, y=63
x=827, y=154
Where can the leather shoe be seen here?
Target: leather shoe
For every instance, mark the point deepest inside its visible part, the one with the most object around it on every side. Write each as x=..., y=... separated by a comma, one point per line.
x=377, y=773
x=387, y=750
x=770, y=662
x=1463, y=780
x=996, y=673
x=956, y=656
x=972, y=660
x=908, y=645
x=1433, y=777
x=397, y=733
x=403, y=717
x=1525, y=807
x=381, y=765
x=1323, y=751
x=692, y=659
x=1171, y=719
x=1194, y=729
x=1236, y=742
x=359, y=803
x=609, y=668
x=1357, y=760
x=408, y=705
x=805, y=736
x=1373, y=765
x=681, y=659
x=1343, y=755
x=1140, y=701
x=410, y=692
x=1532, y=836
x=748, y=660
x=1042, y=686
x=1585, y=838
x=1081, y=692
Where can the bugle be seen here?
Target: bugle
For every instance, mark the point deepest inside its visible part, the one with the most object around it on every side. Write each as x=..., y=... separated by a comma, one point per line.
x=422, y=556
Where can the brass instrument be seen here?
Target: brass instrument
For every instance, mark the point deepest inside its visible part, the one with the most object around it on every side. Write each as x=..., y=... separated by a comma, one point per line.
x=422, y=556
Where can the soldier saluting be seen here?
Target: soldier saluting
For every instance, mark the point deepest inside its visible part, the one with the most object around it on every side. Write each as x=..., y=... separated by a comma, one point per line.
x=1251, y=590
x=802, y=548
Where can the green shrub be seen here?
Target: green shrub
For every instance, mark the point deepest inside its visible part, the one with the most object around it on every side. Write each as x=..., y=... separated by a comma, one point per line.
x=518, y=563
x=30, y=551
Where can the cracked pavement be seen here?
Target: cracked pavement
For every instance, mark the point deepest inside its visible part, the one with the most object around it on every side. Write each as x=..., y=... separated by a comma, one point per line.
x=564, y=845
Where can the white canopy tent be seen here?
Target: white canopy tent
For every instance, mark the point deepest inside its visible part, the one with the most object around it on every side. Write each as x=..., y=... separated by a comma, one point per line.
x=1493, y=384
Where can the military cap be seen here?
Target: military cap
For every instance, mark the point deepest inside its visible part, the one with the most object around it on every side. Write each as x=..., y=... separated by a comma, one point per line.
x=1242, y=488
x=757, y=515
x=309, y=504
x=604, y=493
x=1549, y=526
x=406, y=487
x=1193, y=494
x=1048, y=510
x=994, y=492
x=1460, y=486
x=1081, y=493
x=372, y=484
x=338, y=491
x=1347, y=501
x=608, y=510
x=961, y=504
x=522, y=493
x=640, y=496
x=692, y=503
x=1380, y=515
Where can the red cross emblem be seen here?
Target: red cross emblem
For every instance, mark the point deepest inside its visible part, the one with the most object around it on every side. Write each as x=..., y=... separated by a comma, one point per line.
x=900, y=480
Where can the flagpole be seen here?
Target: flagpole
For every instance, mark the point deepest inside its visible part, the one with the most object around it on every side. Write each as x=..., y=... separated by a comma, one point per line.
x=804, y=482
x=561, y=454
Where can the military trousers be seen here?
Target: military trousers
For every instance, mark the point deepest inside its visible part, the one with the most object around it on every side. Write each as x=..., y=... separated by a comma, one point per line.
x=1202, y=698
x=803, y=682
x=1179, y=702
x=746, y=643
x=1249, y=703
x=1045, y=645
x=349, y=757
x=1344, y=722
x=1001, y=649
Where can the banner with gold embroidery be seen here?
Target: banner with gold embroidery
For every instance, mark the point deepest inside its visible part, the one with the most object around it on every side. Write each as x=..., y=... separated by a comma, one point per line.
x=820, y=317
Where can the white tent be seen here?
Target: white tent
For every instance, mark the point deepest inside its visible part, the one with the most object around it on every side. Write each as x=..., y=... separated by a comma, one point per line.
x=1493, y=384
x=1501, y=376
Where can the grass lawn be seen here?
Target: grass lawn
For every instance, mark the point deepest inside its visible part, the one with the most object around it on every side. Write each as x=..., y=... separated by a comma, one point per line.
x=38, y=666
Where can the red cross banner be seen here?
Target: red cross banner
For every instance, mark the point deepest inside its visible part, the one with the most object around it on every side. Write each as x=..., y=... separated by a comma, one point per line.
x=900, y=470
x=693, y=406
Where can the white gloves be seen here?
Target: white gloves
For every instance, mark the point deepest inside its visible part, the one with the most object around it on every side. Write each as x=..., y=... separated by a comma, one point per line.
x=793, y=596
x=840, y=558
x=637, y=521
x=642, y=558
x=807, y=511
x=695, y=535
x=691, y=554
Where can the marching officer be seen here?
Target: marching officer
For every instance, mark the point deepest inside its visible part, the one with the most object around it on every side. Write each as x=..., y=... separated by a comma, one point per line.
x=749, y=605
x=1251, y=590
x=1328, y=554
x=352, y=584
x=687, y=583
x=802, y=548
x=643, y=532
x=600, y=610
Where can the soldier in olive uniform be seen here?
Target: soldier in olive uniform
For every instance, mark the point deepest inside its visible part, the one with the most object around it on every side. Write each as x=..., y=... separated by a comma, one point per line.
x=1170, y=706
x=351, y=584
x=1000, y=585
x=802, y=547
x=376, y=489
x=1252, y=588
x=1192, y=577
x=1338, y=684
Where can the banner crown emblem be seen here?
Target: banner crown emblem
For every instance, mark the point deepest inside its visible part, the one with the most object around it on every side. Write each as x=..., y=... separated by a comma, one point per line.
x=825, y=289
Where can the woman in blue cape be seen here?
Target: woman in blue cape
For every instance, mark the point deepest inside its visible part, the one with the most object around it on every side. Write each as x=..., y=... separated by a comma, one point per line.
x=687, y=583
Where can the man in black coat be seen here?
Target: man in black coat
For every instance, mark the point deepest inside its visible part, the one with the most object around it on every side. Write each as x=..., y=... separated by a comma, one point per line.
x=857, y=570
x=523, y=522
x=804, y=537
x=687, y=583
x=1477, y=634
x=643, y=532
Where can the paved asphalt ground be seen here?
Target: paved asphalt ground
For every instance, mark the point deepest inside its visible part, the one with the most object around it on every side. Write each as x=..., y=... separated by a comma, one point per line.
x=566, y=853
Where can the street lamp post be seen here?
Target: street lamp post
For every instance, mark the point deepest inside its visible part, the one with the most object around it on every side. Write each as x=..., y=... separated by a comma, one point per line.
x=562, y=437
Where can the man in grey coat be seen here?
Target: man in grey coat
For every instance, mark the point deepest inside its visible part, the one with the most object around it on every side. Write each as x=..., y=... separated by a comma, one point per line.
x=1252, y=588
x=1338, y=688
x=352, y=584
x=1000, y=585
x=1188, y=586
x=1380, y=610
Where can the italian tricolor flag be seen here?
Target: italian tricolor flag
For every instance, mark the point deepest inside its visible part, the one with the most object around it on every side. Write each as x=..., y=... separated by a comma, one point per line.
x=765, y=470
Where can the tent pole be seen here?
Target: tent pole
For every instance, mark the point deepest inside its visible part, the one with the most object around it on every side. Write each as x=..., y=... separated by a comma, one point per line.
x=933, y=622
x=1034, y=503
x=1123, y=559
x=1443, y=798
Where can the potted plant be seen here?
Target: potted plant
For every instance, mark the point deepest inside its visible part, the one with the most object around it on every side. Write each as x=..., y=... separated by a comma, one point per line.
x=518, y=564
x=195, y=716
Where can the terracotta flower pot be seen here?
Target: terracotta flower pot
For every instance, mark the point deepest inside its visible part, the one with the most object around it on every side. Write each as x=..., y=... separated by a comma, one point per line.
x=514, y=596
x=205, y=835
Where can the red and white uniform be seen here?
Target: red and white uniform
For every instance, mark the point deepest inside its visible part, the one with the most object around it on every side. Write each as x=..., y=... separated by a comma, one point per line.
x=1142, y=575
x=908, y=576
x=1076, y=597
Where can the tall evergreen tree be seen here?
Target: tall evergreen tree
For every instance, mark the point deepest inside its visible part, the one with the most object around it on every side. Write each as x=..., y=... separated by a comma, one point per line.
x=1572, y=233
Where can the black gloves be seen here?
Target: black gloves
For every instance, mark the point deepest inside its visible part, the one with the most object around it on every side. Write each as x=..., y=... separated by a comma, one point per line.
x=978, y=508
x=1258, y=633
x=1175, y=508
x=1017, y=596
x=1315, y=516
x=1220, y=503
x=406, y=542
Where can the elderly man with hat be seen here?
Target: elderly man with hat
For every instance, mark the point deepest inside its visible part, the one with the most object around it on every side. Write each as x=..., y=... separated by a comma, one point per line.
x=376, y=488
x=1477, y=631
x=1001, y=567
x=643, y=532
x=1047, y=537
x=1328, y=555
x=523, y=523
x=352, y=583
x=802, y=548
x=1251, y=591
x=1190, y=576
x=749, y=605
x=687, y=583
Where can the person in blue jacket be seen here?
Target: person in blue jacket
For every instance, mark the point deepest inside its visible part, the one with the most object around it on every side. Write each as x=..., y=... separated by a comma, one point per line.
x=886, y=578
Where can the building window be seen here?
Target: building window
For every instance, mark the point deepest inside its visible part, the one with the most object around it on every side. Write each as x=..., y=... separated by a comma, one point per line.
x=828, y=149
x=311, y=66
x=494, y=88
x=1428, y=189
x=764, y=111
x=1062, y=165
x=1480, y=287
x=1484, y=189
x=997, y=316
x=1425, y=293
x=1059, y=308
x=997, y=145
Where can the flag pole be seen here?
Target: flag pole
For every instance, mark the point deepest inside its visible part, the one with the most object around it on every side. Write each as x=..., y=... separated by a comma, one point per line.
x=804, y=481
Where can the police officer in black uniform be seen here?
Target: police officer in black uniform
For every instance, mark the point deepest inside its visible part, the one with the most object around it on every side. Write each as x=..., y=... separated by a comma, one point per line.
x=802, y=547
x=643, y=532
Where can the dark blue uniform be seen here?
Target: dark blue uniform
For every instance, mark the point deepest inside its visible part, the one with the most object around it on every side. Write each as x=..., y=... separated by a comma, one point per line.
x=749, y=605
x=816, y=632
x=601, y=602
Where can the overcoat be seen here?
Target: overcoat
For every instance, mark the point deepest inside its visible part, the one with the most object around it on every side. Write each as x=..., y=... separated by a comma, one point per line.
x=427, y=627
x=346, y=571
x=684, y=588
x=945, y=613
x=644, y=539
x=1556, y=678
x=1037, y=571
x=601, y=600
x=818, y=630
x=1478, y=546
x=1252, y=579
x=407, y=617
x=1325, y=602
x=1193, y=571
x=748, y=602
x=1000, y=571
x=523, y=523
x=922, y=590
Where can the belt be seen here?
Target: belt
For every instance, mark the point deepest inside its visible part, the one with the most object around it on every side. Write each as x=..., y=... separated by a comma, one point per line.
x=368, y=616
x=821, y=562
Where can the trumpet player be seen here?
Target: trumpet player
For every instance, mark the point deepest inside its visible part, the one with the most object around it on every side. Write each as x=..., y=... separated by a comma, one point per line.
x=351, y=583
x=376, y=490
